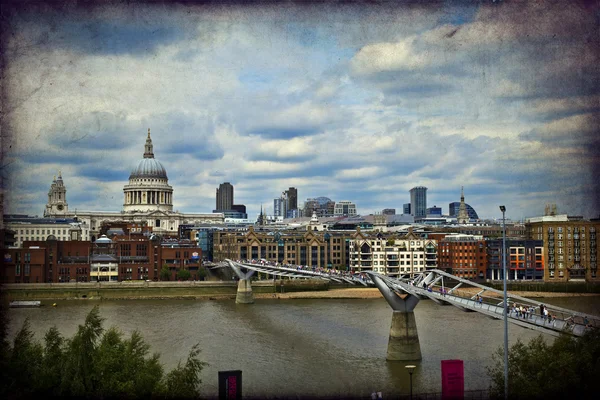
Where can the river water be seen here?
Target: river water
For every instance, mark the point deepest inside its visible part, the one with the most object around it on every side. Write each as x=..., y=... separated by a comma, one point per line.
x=301, y=347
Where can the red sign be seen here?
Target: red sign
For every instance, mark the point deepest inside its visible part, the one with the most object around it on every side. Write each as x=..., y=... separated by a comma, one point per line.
x=453, y=379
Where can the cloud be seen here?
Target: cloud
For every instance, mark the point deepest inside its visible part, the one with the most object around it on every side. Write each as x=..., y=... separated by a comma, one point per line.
x=332, y=99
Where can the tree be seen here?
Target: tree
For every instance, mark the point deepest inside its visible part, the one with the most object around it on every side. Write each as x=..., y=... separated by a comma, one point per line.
x=165, y=273
x=94, y=363
x=183, y=274
x=566, y=368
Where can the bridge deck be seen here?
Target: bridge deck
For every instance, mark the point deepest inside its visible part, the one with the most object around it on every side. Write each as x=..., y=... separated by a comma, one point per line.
x=563, y=321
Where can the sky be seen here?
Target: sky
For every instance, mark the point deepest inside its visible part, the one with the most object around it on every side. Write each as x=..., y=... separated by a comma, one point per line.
x=356, y=101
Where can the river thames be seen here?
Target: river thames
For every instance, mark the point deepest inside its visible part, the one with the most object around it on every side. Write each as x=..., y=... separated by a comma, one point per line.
x=301, y=347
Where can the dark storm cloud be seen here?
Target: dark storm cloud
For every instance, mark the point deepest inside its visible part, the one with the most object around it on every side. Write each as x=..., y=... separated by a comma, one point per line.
x=100, y=31
x=93, y=131
x=104, y=173
x=178, y=133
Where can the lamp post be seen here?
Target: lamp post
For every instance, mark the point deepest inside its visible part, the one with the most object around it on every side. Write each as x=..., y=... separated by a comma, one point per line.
x=410, y=369
x=503, y=209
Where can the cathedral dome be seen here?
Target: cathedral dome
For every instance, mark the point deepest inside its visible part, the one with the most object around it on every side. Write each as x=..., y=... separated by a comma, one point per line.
x=149, y=168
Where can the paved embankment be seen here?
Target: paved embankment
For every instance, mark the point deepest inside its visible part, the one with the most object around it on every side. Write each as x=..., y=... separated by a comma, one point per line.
x=297, y=289
x=149, y=290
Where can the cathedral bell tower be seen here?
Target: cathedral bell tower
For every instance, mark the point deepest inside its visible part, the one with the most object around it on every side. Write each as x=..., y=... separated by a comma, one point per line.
x=57, y=198
x=463, y=215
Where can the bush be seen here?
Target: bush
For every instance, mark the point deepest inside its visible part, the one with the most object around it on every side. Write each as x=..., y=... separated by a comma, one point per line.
x=94, y=363
x=568, y=368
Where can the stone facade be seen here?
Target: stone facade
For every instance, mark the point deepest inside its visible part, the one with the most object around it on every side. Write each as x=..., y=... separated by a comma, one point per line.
x=570, y=247
x=311, y=248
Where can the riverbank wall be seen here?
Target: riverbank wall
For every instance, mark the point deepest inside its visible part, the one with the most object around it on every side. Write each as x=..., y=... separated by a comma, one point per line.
x=547, y=287
x=152, y=290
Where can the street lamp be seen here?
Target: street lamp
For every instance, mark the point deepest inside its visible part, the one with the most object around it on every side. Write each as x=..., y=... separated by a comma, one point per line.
x=410, y=369
x=503, y=209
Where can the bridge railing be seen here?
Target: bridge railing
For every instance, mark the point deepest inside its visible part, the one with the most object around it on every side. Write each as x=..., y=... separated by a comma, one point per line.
x=490, y=301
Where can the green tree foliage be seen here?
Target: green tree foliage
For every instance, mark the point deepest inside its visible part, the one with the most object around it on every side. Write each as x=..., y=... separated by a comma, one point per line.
x=567, y=368
x=165, y=273
x=183, y=274
x=94, y=363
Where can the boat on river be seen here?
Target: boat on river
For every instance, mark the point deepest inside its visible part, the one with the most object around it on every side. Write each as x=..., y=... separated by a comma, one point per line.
x=25, y=304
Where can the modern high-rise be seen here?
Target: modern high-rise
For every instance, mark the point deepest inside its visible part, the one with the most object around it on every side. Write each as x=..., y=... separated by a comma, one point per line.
x=292, y=196
x=406, y=209
x=225, y=196
x=418, y=201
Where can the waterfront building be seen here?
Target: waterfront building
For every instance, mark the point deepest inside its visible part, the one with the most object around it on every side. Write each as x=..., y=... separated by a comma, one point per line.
x=525, y=259
x=463, y=255
x=418, y=201
x=344, y=208
x=570, y=247
x=127, y=255
x=392, y=255
x=148, y=198
x=309, y=247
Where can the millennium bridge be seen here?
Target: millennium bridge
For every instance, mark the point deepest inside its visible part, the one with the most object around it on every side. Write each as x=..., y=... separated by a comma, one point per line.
x=404, y=292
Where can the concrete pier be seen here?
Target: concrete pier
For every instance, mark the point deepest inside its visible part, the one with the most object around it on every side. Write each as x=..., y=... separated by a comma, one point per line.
x=244, y=292
x=403, y=344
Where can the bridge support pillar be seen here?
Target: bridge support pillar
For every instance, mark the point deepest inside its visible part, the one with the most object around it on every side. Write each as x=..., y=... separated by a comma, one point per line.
x=244, y=292
x=403, y=344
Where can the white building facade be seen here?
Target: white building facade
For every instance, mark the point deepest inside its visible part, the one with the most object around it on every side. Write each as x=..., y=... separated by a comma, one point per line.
x=392, y=256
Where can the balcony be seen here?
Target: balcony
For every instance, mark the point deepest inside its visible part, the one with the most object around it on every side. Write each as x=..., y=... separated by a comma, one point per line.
x=73, y=259
x=134, y=258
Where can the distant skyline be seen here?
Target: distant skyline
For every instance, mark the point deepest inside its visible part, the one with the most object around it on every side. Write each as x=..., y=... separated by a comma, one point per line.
x=353, y=101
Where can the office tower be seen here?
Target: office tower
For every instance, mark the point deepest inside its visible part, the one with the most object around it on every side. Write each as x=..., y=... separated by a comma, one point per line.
x=292, y=196
x=418, y=201
x=225, y=196
x=406, y=209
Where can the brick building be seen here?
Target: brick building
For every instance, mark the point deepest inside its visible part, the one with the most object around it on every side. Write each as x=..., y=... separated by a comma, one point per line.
x=463, y=255
x=570, y=247
x=117, y=259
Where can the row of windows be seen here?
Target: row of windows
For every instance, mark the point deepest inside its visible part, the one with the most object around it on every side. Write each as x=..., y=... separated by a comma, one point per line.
x=401, y=263
x=382, y=269
x=37, y=231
